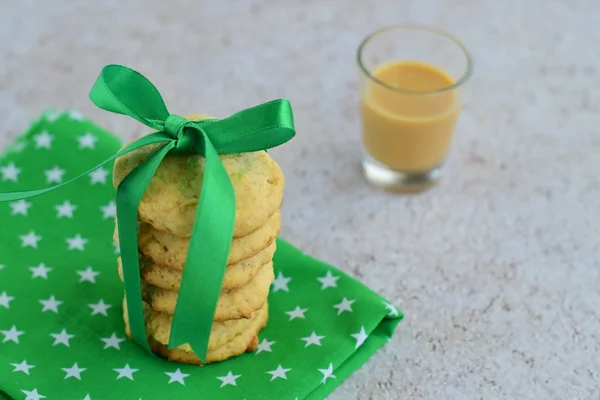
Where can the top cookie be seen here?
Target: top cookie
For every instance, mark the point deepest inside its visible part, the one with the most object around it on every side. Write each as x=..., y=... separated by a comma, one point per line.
x=170, y=201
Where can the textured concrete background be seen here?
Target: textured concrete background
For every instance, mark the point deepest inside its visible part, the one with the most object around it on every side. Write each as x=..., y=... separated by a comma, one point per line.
x=497, y=269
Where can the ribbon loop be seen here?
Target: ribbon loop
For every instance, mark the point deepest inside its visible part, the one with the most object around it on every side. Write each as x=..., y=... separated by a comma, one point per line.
x=124, y=91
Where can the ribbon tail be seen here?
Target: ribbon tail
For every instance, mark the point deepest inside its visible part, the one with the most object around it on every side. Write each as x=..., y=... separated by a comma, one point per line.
x=144, y=141
x=207, y=257
x=129, y=195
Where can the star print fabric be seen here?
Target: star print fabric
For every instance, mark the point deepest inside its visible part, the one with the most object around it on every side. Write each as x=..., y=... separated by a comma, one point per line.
x=61, y=326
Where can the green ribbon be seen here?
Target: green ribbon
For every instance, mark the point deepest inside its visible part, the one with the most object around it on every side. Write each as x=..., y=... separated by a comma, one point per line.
x=124, y=91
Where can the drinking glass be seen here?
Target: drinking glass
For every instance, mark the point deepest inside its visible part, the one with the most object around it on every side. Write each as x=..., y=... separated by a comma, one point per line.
x=410, y=82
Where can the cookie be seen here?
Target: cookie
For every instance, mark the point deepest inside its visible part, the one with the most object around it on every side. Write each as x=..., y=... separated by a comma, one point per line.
x=244, y=340
x=170, y=251
x=159, y=326
x=233, y=304
x=171, y=199
x=222, y=332
x=234, y=348
x=236, y=275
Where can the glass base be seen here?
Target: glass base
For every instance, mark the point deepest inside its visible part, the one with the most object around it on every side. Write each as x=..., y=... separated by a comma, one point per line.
x=388, y=179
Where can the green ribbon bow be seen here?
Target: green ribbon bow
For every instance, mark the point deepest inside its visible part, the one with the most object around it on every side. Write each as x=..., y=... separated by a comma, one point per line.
x=124, y=91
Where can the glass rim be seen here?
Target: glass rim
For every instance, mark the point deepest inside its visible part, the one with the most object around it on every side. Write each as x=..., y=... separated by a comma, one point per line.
x=458, y=43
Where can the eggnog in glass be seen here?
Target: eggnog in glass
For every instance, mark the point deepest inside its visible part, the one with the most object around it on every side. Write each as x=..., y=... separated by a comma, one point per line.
x=410, y=81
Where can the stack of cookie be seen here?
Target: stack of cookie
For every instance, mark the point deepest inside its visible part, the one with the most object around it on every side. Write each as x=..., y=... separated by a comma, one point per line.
x=166, y=216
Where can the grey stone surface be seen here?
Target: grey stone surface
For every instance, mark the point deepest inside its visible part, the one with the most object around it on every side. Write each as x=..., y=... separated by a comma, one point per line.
x=497, y=269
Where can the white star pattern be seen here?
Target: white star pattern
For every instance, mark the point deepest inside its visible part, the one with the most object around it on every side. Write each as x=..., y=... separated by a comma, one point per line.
x=76, y=243
x=20, y=207
x=297, y=313
x=43, y=140
x=112, y=341
x=65, y=209
x=117, y=250
x=327, y=373
x=5, y=300
x=74, y=372
x=87, y=141
x=75, y=115
x=54, y=175
x=125, y=372
x=62, y=338
x=2, y=266
x=22, y=367
x=360, y=337
x=265, y=345
x=281, y=283
x=392, y=310
x=345, y=305
x=87, y=275
x=279, y=372
x=87, y=397
x=312, y=339
x=11, y=335
x=328, y=280
x=30, y=240
x=41, y=271
x=177, y=376
x=228, y=379
x=10, y=172
x=100, y=308
x=51, y=304
x=109, y=210
x=33, y=395
x=98, y=176
x=52, y=116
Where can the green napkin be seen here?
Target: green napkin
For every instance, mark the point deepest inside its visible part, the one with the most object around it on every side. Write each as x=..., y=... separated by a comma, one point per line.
x=61, y=327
